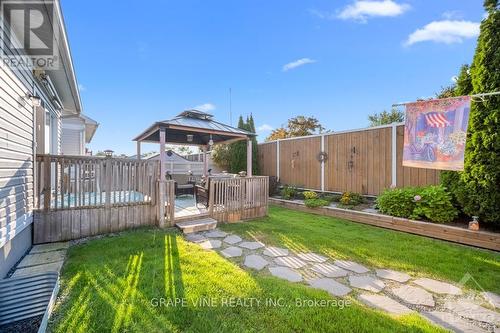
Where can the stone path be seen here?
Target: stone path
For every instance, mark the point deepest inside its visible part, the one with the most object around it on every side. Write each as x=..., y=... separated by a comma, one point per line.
x=388, y=290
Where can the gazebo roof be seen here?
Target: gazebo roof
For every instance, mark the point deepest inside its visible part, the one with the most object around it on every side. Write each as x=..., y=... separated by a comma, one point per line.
x=193, y=122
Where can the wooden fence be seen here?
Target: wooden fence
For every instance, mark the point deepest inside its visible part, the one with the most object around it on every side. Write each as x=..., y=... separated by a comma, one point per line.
x=365, y=161
x=80, y=196
x=235, y=199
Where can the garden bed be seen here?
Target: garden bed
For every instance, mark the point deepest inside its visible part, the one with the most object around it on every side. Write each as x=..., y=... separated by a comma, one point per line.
x=483, y=239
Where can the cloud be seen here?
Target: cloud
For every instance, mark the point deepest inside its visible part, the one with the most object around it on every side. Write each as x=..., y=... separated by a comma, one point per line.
x=205, y=107
x=445, y=31
x=81, y=87
x=297, y=63
x=361, y=10
x=265, y=128
x=452, y=14
x=322, y=14
x=454, y=79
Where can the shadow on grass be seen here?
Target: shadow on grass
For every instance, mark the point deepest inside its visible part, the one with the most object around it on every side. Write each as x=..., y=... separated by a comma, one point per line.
x=376, y=247
x=111, y=285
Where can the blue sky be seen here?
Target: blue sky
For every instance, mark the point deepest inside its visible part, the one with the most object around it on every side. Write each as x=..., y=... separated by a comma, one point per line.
x=337, y=60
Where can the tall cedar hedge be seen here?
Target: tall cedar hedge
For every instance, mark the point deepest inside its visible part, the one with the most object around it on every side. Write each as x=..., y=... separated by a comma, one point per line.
x=478, y=186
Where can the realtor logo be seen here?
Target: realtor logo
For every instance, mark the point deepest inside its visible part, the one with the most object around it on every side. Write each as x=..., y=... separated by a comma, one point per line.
x=29, y=34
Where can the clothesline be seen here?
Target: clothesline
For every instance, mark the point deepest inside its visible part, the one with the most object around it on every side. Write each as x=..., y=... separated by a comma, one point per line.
x=475, y=95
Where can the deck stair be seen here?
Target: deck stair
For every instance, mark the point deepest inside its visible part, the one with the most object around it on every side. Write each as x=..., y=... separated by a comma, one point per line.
x=197, y=225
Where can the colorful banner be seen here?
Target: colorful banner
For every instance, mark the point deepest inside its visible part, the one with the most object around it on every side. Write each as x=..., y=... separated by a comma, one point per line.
x=435, y=133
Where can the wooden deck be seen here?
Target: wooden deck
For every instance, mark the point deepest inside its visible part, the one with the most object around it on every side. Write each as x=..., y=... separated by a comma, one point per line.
x=81, y=196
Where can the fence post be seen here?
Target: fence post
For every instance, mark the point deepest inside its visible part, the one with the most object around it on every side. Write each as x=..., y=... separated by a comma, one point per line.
x=47, y=193
x=394, y=155
x=278, y=159
x=109, y=181
x=322, y=164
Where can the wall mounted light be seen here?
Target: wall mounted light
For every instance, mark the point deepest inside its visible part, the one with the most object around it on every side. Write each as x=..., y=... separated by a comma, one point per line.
x=36, y=101
x=211, y=141
x=189, y=137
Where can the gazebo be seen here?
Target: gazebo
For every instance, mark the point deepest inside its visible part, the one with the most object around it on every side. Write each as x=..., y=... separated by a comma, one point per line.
x=194, y=128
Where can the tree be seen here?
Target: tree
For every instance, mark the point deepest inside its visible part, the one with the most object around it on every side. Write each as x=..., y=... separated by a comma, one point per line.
x=303, y=126
x=385, y=118
x=297, y=126
x=233, y=157
x=278, y=133
x=482, y=155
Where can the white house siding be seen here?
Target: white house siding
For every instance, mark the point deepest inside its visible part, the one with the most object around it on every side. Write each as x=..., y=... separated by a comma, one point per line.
x=73, y=136
x=16, y=163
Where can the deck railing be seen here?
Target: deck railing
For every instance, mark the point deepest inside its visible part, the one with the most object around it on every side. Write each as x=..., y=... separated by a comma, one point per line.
x=235, y=199
x=82, y=181
x=81, y=196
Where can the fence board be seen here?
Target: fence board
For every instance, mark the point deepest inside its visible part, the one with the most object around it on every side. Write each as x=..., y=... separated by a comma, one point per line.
x=358, y=161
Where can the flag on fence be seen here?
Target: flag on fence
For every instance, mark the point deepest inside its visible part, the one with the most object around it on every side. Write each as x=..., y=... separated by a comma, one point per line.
x=435, y=133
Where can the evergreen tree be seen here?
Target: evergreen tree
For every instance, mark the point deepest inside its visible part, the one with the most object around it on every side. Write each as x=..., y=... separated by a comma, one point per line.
x=238, y=152
x=482, y=155
x=255, y=152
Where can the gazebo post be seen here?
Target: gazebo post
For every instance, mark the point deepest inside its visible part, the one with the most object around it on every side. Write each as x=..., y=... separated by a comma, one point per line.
x=205, y=162
x=249, y=157
x=162, y=178
x=138, y=149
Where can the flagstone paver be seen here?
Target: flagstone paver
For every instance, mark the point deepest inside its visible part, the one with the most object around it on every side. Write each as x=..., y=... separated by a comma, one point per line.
x=438, y=287
x=384, y=303
x=329, y=270
x=251, y=245
x=414, y=295
x=211, y=244
x=473, y=311
x=492, y=298
x=42, y=258
x=291, y=262
x=313, y=257
x=367, y=283
x=285, y=273
x=272, y=251
x=451, y=322
x=392, y=275
x=216, y=234
x=232, y=239
x=195, y=238
x=231, y=252
x=255, y=261
x=351, y=266
x=330, y=285
x=49, y=247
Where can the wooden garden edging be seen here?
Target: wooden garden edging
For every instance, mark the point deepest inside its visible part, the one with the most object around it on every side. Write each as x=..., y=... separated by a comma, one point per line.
x=483, y=239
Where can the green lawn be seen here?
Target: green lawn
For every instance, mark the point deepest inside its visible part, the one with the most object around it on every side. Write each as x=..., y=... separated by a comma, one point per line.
x=377, y=247
x=108, y=285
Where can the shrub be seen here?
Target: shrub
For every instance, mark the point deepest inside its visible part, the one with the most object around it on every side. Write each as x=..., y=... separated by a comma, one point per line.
x=397, y=202
x=310, y=195
x=288, y=192
x=331, y=197
x=351, y=199
x=314, y=203
x=435, y=204
x=431, y=202
x=273, y=185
